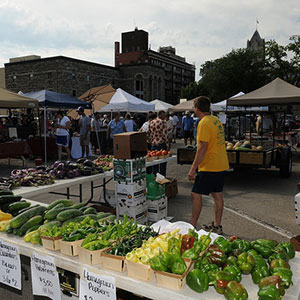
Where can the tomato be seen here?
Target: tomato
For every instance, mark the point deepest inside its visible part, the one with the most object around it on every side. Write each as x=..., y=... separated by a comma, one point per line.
x=164, y=152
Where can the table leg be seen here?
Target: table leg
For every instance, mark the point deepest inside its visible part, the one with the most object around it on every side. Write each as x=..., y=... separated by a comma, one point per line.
x=68, y=193
x=80, y=193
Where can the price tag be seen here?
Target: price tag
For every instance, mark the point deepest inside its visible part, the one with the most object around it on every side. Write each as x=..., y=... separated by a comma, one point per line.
x=96, y=286
x=45, y=280
x=10, y=265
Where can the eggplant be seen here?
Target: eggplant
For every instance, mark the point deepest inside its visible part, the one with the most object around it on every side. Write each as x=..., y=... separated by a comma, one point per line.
x=76, y=172
x=52, y=173
x=86, y=172
x=88, y=163
x=80, y=160
x=60, y=166
x=61, y=174
x=70, y=174
x=55, y=165
x=73, y=166
x=42, y=167
x=99, y=170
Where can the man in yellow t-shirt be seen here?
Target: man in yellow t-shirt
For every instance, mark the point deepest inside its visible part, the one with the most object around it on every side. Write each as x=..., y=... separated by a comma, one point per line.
x=209, y=164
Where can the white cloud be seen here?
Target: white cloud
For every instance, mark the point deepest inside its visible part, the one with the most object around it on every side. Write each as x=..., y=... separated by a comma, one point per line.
x=200, y=30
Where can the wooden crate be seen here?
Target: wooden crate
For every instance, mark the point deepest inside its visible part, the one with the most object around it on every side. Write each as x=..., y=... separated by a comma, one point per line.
x=113, y=262
x=231, y=157
x=51, y=243
x=139, y=271
x=70, y=248
x=91, y=257
x=255, y=158
x=173, y=281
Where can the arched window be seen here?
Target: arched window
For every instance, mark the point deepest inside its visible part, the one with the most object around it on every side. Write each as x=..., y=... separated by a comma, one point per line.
x=139, y=86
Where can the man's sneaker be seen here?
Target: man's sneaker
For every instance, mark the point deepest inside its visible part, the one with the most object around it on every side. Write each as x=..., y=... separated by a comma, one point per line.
x=216, y=229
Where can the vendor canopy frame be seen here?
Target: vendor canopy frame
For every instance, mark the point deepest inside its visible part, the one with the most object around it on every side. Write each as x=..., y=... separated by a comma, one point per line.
x=161, y=105
x=277, y=92
x=12, y=100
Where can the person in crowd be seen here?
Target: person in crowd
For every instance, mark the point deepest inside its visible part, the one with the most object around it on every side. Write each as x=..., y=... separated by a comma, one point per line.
x=209, y=164
x=195, y=130
x=145, y=128
x=187, y=127
x=62, y=126
x=95, y=132
x=115, y=126
x=169, y=123
x=158, y=132
x=175, y=121
x=129, y=123
x=84, y=129
x=264, y=124
x=178, y=128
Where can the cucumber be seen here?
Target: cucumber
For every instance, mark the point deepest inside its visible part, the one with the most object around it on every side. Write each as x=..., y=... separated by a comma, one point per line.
x=83, y=208
x=27, y=208
x=79, y=219
x=9, y=229
x=78, y=205
x=68, y=214
x=90, y=210
x=58, y=205
x=15, y=231
x=52, y=214
x=33, y=228
x=102, y=215
x=22, y=218
x=36, y=220
x=16, y=206
x=49, y=225
x=4, y=199
x=65, y=202
x=6, y=192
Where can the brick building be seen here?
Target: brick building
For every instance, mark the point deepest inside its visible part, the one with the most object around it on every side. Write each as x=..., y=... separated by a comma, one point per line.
x=144, y=73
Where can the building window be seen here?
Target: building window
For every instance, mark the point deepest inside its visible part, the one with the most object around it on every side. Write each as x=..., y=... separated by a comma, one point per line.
x=73, y=75
x=74, y=93
x=30, y=76
x=49, y=75
x=139, y=86
x=14, y=77
x=88, y=78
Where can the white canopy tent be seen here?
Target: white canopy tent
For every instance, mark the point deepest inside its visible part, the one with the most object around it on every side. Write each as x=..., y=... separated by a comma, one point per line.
x=161, y=105
x=124, y=102
x=222, y=106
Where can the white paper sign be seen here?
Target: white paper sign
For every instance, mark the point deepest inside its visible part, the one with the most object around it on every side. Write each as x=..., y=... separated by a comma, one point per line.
x=44, y=275
x=96, y=286
x=10, y=265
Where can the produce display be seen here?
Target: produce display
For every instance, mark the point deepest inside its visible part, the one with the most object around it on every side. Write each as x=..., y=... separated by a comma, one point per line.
x=242, y=146
x=105, y=161
x=156, y=154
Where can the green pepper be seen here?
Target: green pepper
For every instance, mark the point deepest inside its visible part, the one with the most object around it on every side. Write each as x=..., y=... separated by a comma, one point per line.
x=211, y=270
x=235, y=291
x=253, y=252
x=231, y=260
x=273, y=280
x=234, y=270
x=222, y=280
x=204, y=260
x=178, y=266
x=197, y=280
x=246, y=262
x=285, y=275
x=72, y=238
x=174, y=245
x=89, y=238
x=204, y=242
x=223, y=244
x=258, y=273
x=264, y=247
x=96, y=245
x=280, y=253
x=241, y=245
x=279, y=263
x=166, y=259
x=191, y=254
x=288, y=247
x=216, y=255
x=260, y=262
x=269, y=292
x=193, y=233
x=156, y=264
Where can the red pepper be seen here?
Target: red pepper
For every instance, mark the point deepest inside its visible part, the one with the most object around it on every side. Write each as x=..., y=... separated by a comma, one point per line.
x=187, y=242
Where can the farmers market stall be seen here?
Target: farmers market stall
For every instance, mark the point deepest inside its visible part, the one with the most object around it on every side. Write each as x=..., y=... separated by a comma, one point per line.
x=16, y=149
x=149, y=288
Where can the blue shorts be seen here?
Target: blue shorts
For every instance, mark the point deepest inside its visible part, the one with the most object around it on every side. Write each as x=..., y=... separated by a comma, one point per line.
x=62, y=140
x=208, y=182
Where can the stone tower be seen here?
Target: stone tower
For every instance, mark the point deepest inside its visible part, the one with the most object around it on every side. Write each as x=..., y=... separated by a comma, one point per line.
x=256, y=43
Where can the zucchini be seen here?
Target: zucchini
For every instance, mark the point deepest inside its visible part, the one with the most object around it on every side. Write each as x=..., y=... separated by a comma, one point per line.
x=15, y=231
x=58, y=205
x=6, y=192
x=90, y=210
x=79, y=219
x=36, y=220
x=49, y=225
x=65, y=202
x=33, y=228
x=68, y=214
x=78, y=205
x=22, y=218
x=16, y=206
x=52, y=214
x=83, y=208
x=9, y=229
x=4, y=199
x=102, y=215
x=27, y=208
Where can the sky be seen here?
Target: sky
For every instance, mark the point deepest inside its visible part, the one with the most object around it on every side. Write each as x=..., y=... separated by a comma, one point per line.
x=200, y=30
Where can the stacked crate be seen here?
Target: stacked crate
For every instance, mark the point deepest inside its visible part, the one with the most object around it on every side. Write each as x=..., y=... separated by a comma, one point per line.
x=130, y=188
x=157, y=202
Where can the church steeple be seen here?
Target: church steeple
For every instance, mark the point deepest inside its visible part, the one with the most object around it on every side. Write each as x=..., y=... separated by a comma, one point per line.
x=256, y=43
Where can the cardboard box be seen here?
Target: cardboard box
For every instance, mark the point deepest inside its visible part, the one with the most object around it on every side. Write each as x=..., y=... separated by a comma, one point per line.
x=131, y=190
x=134, y=205
x=139, y=213
x=70, y=248
x=171, y=188
x=157, y=209
x=129, y=170
x=130, y=145
x=91, y=257
x=139, y=271
x=51, y=243
x=113, y=262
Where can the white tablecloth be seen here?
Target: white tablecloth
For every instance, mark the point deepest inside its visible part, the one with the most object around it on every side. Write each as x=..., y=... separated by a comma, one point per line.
x=76, y=148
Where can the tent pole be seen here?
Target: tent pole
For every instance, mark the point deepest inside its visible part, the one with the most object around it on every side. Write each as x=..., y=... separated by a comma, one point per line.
x=40, y=131
x=45, y=132
x=97, y=136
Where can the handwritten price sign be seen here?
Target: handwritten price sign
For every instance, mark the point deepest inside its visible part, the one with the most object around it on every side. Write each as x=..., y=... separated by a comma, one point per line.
x=96, y=286
x=45, y=280
x=10, y=265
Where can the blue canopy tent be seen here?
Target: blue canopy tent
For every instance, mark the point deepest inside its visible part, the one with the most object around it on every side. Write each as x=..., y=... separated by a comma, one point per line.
x=52, y=99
